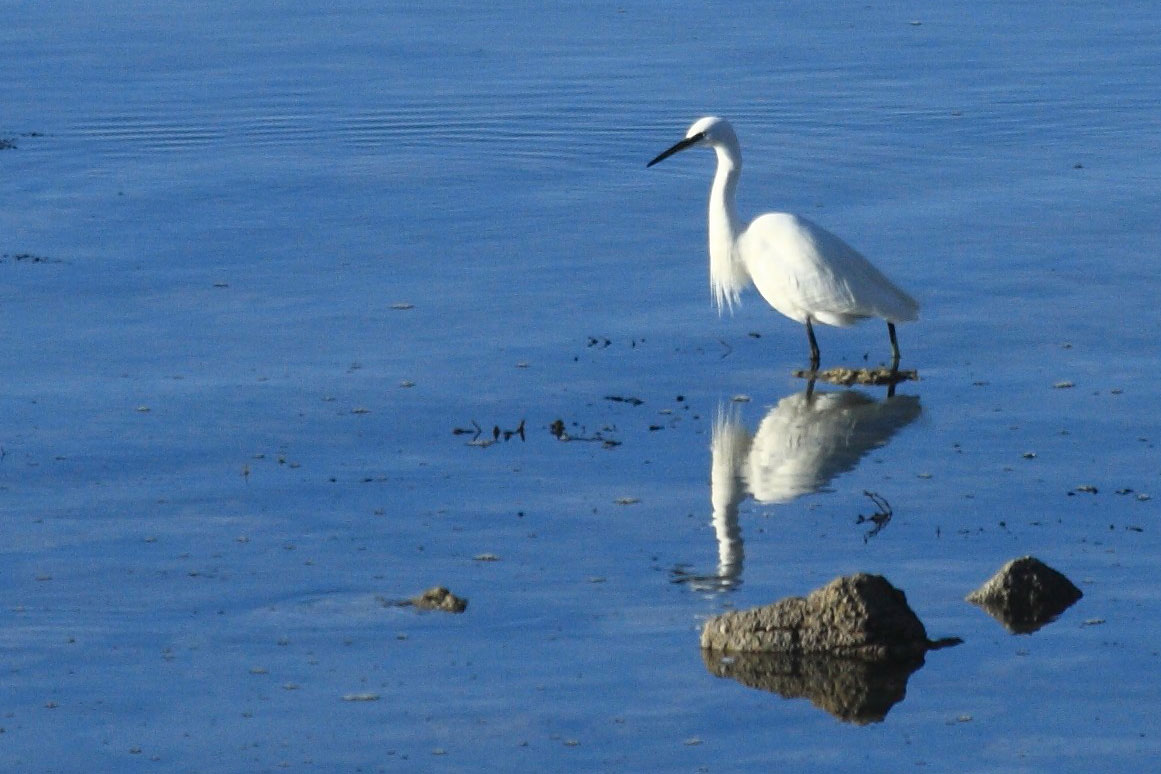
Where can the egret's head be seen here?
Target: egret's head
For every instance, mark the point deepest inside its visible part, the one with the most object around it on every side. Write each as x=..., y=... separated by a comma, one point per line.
x=711, y=130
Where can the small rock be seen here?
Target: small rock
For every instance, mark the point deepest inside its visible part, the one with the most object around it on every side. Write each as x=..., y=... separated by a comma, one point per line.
x=1025, y=594
x=439, y=598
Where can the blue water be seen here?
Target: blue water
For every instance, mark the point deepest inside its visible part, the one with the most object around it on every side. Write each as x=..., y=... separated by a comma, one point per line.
x=258, y=263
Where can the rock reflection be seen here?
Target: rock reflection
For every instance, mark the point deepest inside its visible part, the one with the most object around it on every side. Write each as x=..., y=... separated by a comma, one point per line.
x=851, y=690
x=800, y=446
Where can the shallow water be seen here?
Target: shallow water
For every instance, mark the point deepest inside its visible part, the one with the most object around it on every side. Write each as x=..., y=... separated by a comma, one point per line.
x=260, y=263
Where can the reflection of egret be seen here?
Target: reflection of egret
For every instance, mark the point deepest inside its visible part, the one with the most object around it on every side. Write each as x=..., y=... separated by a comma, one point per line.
x=802, y=443
x=800, y=268
x=808, y=439
x=728, y=452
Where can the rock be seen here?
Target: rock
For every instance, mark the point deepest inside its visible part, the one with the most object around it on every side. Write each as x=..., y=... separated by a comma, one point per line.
x=439, y=598
x=852, y=690
x=1025, y=594
x=856, y=616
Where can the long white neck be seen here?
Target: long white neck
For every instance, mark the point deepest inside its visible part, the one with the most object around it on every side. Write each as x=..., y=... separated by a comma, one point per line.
x=727, y=274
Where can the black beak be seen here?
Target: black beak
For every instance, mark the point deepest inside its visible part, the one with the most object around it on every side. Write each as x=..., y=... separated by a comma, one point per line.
x=678, y=147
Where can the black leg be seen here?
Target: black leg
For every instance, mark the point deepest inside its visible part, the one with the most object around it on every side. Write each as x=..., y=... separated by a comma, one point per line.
x=894, y=346
x=813, y=345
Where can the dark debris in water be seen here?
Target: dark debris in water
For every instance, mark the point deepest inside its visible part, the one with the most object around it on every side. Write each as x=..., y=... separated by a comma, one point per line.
x=27, y=258
x=624, y=399
x=879, y=518
x=496, y=434
x=560, y=432
x=9, y=143
x=867, y=376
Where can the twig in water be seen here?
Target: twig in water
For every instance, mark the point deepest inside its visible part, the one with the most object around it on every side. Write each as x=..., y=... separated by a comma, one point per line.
x=879, y=518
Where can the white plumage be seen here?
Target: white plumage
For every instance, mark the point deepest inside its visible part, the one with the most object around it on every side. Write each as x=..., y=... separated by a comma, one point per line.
x=801, y=269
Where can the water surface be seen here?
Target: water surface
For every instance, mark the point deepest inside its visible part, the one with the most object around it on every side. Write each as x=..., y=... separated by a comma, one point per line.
x=259, y=263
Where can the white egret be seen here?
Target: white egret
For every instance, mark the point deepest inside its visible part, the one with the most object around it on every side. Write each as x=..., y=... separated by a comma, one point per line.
x=801, y=269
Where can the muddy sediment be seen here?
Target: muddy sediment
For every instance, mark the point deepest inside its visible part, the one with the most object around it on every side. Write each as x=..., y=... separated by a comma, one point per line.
x=435, y=598
x=866, y=376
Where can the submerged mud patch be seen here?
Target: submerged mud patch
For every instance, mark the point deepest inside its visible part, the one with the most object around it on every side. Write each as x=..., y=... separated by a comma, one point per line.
x=867, y=376
x=435, y=598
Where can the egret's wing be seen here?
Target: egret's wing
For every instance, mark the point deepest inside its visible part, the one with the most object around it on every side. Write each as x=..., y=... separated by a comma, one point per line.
x=797, y=263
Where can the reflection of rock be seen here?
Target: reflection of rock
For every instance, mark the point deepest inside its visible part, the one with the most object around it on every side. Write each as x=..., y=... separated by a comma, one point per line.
x=853, y=690
x=857, y=616
x=1025, y=594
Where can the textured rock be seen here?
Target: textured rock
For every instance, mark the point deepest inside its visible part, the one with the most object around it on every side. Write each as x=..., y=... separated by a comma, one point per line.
x=1025, y=594
x=857, y=616
x=852, y=690
x=439, y=598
